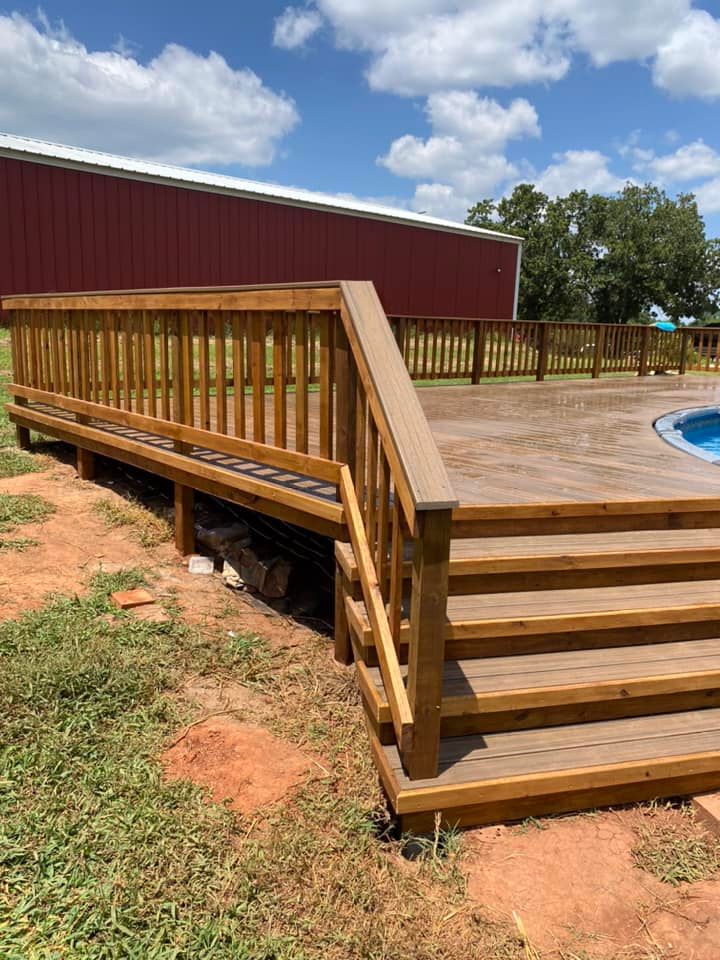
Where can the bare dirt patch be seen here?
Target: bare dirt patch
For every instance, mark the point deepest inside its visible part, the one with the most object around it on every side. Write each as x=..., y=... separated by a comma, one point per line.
x=241, y=765
x=577, y=889
x=71, y=544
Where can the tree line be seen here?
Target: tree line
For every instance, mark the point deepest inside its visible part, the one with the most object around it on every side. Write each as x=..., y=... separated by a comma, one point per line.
x=625, y=258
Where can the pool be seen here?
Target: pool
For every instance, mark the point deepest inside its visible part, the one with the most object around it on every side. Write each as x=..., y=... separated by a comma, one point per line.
x=696, y=431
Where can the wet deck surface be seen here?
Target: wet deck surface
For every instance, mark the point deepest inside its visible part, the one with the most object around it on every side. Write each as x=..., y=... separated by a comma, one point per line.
x=580, y=440
x=562, y=440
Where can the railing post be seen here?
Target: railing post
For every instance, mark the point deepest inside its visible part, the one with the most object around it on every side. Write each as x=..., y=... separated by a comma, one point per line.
x=426, y=656
x=17, y=340
x=644, y=347
x=684, y=338
x=478, y=352
x=345, y=399
x=542, y=357
x=599, y=350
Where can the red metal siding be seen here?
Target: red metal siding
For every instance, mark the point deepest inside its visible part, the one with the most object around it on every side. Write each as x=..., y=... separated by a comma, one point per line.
x=72, y=230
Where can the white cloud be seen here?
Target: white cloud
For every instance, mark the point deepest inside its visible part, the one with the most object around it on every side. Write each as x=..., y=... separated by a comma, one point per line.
x=708, y=196
x=693, y=161
x=417, y=46
x=687, y=63
x=464, y=156
x=578, y=170
x=180, y=107
x=295, y=26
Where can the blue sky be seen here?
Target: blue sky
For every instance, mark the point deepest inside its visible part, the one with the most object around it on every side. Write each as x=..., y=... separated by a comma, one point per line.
x=430, y=104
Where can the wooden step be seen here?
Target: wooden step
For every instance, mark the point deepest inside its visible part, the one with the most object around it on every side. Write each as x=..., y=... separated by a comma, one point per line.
x=486, y=625
x=505, y=564
x=549, y=689
x=509, y=776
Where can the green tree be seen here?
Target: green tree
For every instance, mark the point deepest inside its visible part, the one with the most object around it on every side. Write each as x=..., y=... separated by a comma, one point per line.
x=609, y=259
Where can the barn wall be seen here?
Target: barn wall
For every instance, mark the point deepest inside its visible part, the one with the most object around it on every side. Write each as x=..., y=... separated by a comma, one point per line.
x=72, y=230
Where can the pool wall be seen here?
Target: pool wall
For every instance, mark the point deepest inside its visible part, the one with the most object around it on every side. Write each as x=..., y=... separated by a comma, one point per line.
x=673, y=427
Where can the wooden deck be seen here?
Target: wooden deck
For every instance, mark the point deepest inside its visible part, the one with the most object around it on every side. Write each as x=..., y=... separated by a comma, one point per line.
x=577, y=440
x=528, y=577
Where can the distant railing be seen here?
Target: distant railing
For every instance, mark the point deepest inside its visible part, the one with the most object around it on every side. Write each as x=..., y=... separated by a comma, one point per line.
x=702, y=349
x=440, y=348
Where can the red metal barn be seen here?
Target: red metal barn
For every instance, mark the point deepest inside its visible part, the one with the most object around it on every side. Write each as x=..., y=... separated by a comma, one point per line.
x=75, y=219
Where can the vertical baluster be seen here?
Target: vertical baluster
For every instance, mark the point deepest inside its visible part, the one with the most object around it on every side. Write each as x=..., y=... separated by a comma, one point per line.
x=257, y=366
x=360, y=441
x=345, y=398
x=138, y=349
x=397, y=565
x=164, y=320
x=84, y=360
x=279, y=380
x=92, y=320
x=186, y=370
x=148, y=328
x=203, y=369
x=372, y=483
x=220, y=374
x=103, y=324
x=382, y=557
x=327, y=377
x=238, y=361
x=127, y=374
x=301, y=382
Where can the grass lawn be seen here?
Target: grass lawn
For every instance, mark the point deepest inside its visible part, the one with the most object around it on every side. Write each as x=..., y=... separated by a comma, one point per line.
x=100, y=858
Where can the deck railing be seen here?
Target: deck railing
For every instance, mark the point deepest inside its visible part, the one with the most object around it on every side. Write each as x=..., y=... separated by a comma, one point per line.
x=441, y=348
x=301, y=378
x=702, y=347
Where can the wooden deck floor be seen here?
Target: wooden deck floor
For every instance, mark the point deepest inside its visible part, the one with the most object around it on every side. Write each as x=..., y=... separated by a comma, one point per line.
x=581, y=440
x=524, y=443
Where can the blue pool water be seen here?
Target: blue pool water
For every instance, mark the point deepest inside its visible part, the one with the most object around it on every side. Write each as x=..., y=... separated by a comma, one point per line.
x=706, y=436
x=696, y=431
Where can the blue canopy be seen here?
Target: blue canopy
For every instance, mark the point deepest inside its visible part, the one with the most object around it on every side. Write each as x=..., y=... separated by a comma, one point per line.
x=666, y=326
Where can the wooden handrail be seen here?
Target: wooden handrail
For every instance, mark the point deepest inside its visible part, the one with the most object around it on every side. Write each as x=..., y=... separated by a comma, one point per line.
x=411, y=446
x=387, y=655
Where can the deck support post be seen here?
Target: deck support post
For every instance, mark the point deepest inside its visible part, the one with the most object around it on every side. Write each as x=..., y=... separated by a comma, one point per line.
x=343, y=646
x=85, y=464
x=426, y=656
x=184, y=519
x=22, y=436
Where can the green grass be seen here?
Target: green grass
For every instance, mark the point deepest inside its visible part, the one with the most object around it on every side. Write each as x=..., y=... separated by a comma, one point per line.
x=22, y=508
x=146, y=527
x=101, y=859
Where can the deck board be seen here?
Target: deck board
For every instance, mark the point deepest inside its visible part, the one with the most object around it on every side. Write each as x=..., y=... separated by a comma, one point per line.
x=580, y=440
x=490, y=757
x=531, y=671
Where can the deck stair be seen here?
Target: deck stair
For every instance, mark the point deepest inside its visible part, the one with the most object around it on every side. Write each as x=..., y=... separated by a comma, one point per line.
x=580, y=670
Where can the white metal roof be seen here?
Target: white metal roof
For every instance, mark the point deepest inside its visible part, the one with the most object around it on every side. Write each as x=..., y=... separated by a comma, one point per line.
x=79, y=158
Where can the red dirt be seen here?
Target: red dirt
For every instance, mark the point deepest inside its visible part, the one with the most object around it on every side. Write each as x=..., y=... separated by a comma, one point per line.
x=240, y=764
x=73, y=543
x=575, y=887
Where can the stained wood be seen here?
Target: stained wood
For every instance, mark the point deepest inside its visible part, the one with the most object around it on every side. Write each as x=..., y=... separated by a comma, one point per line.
x=296, y=296
x=584, y=442
x=184, y=519
x=400, y=709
